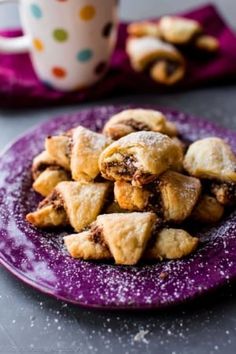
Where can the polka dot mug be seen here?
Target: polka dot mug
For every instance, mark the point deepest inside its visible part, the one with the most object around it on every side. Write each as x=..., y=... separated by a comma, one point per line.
x=70, y=41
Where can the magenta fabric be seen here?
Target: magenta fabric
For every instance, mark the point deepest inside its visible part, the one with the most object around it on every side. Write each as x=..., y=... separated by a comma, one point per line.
x=19, y=86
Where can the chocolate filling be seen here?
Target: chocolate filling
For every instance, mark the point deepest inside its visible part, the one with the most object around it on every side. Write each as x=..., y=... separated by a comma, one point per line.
x=38, y=169
x=171, y=67
x=124, y=168
x=135, y=125
x=97, y=235
x=143, y=178
x=69, y=148
x=54, y=199
x=127, y=169
x=158, y=226
x=155, y=200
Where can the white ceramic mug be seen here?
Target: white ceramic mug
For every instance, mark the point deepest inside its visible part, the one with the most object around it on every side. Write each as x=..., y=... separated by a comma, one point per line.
x=70, y=41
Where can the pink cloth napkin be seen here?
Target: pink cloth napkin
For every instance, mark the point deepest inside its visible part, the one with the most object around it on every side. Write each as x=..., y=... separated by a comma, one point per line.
x=19, y=86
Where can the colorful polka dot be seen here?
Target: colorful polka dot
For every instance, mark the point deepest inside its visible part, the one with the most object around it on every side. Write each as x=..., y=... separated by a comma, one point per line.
x=100, y=68
x=38, y=44
x=36, y=11
x=106, y=31
x=87, y=13
x=84, y=55
x=59, y=72
x=60, y=35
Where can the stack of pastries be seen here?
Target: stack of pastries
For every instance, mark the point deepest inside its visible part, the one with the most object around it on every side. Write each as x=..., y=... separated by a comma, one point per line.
x=159, y=47
x=127, y=191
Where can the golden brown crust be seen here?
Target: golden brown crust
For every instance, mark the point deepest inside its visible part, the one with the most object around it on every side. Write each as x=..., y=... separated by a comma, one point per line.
x=167, y=73
x=179, y=30
x=58, y=148
x=86, y=149
x=48, y=217
x=208, y=210
x=126, y=234
x=171, y=129
x=144, y=51
x=180, y=143
x=83, y=246
x=166, y=63
x=78, y=152
x=211, y=158
x=130, y=197
x=49, y=179
x=144, y=28
x=207, y=43
x=133, y=120
x=41, y=162
x=179, y=194
x=149, y=191
x=171, y=244
x=82, y=201
x=140, y=157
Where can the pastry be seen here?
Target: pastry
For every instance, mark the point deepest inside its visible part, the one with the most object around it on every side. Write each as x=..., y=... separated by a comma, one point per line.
x=50, y=213
x=86, y=148
x=130, y=219
x=167, y=72
x=208, y=210
x=58, y=147
x=84, y=246
x=41, y=162
x=126, y=235
x=81, y=201
x=140, y=158
x=180, y=143
x=207, y=43
x=179, y=30
x=171, y=244
x=130, y=197
x=224, y=192
x=179, y=195
x=167, y=244
x=49, y=179
x=78, y=152
x=172, y=197
x=145, y=28
x=48, y=217
x=47, y=174
x=165, y=63
x=133, y=120
x=211, y=158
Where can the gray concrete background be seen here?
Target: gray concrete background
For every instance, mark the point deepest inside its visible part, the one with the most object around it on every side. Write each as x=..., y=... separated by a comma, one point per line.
x=34, y=323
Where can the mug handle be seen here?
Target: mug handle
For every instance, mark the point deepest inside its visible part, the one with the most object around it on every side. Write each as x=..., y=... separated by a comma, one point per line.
x=14, y=45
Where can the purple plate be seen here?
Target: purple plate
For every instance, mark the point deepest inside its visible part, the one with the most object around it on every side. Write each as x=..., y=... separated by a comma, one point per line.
x=39, y=259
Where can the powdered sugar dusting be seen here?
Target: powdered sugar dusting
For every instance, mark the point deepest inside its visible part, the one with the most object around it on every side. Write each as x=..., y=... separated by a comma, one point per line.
x=39, y=257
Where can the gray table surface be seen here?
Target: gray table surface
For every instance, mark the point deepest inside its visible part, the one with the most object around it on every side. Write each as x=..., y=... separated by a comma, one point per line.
x=34, y=323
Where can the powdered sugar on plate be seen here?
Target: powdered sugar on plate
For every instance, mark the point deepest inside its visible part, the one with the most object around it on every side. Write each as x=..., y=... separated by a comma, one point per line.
x=39, y=258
